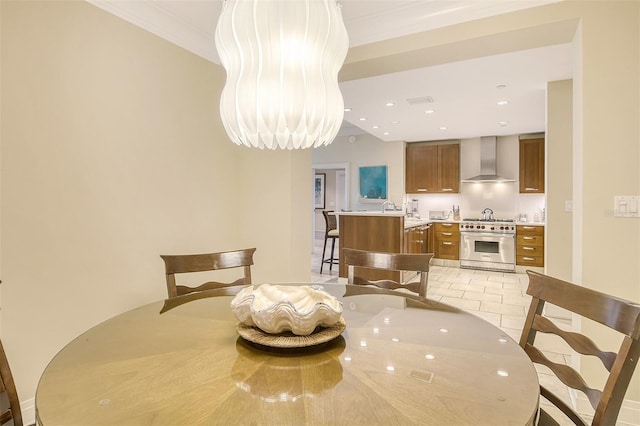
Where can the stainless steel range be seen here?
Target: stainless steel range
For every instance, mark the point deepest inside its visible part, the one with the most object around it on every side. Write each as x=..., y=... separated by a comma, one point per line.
x=488, y=243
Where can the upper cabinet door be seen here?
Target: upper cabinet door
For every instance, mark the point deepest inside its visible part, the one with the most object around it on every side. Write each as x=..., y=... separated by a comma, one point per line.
x=532, y=166
x=421, y=169
x=449, y=168
x=432, y=168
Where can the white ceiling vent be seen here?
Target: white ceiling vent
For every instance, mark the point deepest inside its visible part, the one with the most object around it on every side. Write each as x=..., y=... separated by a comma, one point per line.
x=420, y=100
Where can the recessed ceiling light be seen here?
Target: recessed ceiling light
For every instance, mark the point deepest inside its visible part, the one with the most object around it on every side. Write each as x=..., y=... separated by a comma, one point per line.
x=429, y=111
x=394, y=122
x=347, y=110
x=376, y=127
x=501, y=86
x=443, y=128
x=363, y=118
x=385, y=133
x=389, y=104
x=503, y=123
x=505, y=102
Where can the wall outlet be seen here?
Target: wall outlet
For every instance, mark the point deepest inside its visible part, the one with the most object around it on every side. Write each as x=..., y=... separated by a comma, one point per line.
x=568, y=206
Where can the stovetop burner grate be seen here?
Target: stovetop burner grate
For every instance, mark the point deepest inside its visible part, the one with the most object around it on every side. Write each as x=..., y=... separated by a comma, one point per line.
x=474, y=219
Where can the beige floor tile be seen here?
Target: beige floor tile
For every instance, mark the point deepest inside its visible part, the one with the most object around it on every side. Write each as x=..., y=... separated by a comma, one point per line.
x=517, y=300
x=467, y=287
x=479, y=278
x=447, y=292
x=466, y=304
x=438, y=284
x=490, y=284
x=513, y=321
x=514, y=285
x=489, y=317
x=503, y=291
x=434, y=276
x=482, y=296
x=500, y=308
x=460, y=280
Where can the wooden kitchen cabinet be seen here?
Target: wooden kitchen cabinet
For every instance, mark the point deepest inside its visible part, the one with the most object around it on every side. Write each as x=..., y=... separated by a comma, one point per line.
x=532, y=166
x=416, y=239
x=432, y=168
x=529, y=245
x=447, y=240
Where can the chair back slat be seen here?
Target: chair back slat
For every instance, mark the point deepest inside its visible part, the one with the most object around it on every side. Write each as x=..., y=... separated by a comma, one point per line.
x=578, y=342
x=618, y=314
x=388, y=261
x=179, y=264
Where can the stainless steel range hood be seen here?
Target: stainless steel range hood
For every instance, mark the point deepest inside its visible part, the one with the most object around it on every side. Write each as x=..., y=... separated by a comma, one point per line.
x=487, y=163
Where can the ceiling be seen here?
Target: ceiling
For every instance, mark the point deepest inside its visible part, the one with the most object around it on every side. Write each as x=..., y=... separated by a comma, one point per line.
x=463, y=95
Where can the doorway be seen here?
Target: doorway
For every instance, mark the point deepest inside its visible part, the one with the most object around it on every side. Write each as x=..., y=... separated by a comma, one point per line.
x=336, y=193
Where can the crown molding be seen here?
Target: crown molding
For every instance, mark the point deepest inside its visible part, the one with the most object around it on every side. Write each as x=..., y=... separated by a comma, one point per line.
x=153, y=17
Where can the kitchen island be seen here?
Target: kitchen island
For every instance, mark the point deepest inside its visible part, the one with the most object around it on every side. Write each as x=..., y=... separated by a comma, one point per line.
x=388, y=232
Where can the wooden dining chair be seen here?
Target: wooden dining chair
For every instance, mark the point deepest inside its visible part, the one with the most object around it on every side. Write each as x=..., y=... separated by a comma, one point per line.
x=179, y=264
x=8, y=388
x=414, y=262
x=618, y=314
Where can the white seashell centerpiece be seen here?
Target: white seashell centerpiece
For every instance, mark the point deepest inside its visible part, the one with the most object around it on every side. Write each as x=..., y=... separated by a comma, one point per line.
x=278, y=308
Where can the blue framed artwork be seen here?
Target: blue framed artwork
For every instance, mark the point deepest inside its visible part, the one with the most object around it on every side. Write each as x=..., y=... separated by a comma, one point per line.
x=373, y=183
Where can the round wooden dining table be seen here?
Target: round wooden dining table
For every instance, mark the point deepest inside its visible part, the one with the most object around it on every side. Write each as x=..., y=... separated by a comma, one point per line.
x=401, y=360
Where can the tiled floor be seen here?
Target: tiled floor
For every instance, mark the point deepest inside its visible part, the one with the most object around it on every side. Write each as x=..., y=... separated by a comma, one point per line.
x=497, y=297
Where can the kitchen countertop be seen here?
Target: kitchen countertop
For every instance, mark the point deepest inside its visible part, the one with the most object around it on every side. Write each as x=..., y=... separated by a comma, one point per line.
x=411, y=222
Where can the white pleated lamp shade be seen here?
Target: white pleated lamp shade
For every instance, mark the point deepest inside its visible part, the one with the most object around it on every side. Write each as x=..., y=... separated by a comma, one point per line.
x=282, y=59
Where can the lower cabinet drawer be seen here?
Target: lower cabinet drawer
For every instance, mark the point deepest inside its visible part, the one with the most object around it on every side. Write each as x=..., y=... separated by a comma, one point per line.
x=448, y=250
x=531, y=251
x=530, y=260
x=529, y=240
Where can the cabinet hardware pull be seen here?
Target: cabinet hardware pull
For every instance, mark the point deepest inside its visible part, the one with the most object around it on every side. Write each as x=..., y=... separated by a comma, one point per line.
x=448, y=234
x=528, y=248
x=446, y=224
x=531, y=189
x=447, y=189
x=422, y=190
x=528, y=258
x=447, y=243
x=528, y=238
x=528, y=227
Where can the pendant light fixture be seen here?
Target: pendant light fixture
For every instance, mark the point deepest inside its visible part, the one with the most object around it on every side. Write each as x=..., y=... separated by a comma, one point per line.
x=282, y=59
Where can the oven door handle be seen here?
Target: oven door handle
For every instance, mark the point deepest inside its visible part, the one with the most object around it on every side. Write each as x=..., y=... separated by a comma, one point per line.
x=487, y=235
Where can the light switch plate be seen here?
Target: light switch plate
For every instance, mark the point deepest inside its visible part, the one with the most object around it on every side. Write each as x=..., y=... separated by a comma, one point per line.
x=626, y=206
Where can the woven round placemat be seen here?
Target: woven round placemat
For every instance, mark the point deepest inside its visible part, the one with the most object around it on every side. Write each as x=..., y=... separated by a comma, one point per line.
x=289, y=340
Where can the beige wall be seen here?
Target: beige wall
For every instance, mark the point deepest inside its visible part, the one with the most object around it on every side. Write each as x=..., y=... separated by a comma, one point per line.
x=559, y=148
x=113, y=153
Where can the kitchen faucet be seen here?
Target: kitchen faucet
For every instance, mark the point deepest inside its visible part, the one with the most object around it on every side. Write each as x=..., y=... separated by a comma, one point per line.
x=487, y=214
x=388, y=202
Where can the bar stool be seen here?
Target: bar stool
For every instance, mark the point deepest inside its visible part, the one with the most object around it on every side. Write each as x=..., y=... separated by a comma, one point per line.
x=330, y=231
